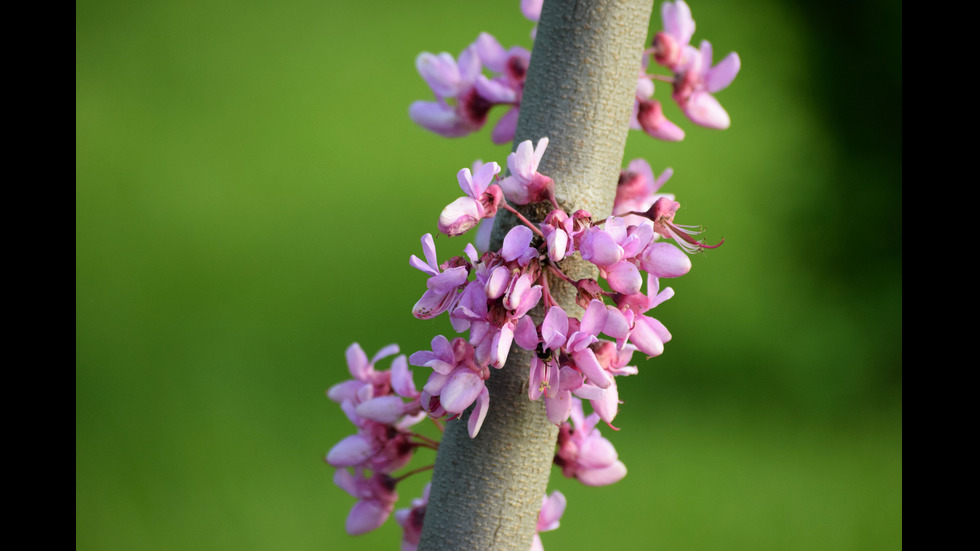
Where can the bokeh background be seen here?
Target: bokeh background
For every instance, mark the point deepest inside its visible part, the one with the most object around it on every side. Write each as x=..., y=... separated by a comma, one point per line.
x=249, y=189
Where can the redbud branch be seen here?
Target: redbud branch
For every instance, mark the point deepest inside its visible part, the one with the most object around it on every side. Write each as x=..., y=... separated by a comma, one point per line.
x=428, y=442
x=549, y=301
x=661, y=78
x=438, y=424
x=415, y=471
x=526, y=222
x=555, y=270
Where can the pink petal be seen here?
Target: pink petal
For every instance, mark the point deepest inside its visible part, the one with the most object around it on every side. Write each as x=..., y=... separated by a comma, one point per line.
x=506, y=127
x=597, y=452
x=590, y=367
x=357, y=362
x=439, y=118
x=366, y=516
x=460, y=216
x=599, y=248
x=536, y=378
x=532, y=9
x=602, y=477
x=479, y=413
x=432, y=304
x=703, y=109
x=677, y=20
x=491, y=53
x=607, y=405
x=645, y=338
x=383, y=409
x=494, y=91
x=662, y=259
x=557, y=245
x=594, y=318
x=617, y=326
x=526, y=334
x=501, y=345
x=558, y=407
x=497, y=283
x=440, y=72
x=351, y=451
x=552, y=509
x=624, y=277
x=521, y=162
x=516, y=242
x=554, y=329
x=721, y=75
x=462, y=388
x=345, y=390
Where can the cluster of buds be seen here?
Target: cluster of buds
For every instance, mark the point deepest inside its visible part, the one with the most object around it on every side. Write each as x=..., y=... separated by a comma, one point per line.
x=488, y=294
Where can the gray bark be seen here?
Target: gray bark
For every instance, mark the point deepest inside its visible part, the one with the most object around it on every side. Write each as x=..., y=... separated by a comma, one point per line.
x=486, y=492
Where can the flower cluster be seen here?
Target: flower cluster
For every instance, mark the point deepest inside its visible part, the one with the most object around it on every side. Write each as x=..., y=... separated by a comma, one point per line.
x=465, y=95
x=488, y=294
x=374, y=402
x=693, y=76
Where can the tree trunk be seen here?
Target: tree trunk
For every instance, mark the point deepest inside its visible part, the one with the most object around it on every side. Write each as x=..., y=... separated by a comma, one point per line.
x=581, y=84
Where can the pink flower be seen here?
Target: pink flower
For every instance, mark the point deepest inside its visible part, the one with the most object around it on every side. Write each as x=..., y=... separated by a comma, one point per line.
x=480, y=202
x=376, y=499
x=558, y=229
x=411, y=520
x=517, y=246
x=637, y=188
x=532, y=9
x=552, y=509
x=456, y=383
x=462, y=106
x=579, y=345
x=662, y=213
x=510, y=67
x=698, y=79
x=442, y=285
x=614, y=250
x=525, y=184
x=627, y=322
x=381, y=443
x=649, y=116
x=669, y=44
x=584, y=454
x=366, y=378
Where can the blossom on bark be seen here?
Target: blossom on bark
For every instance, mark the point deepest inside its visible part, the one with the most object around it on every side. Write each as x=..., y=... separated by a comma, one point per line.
x=510, y=67
x=457, y=381
x=669, y=45
x=411, y=520
x=442, y=285
x=552, y=509
x=525, y=184
x=460, y=109
x=373, y=402
x=698, y=80
x=480, y=201
x=637, y=188
x=376, y=499
x=584, y=454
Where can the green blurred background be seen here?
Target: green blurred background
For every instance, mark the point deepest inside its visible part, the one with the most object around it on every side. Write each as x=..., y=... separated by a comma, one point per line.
x=249, y=189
